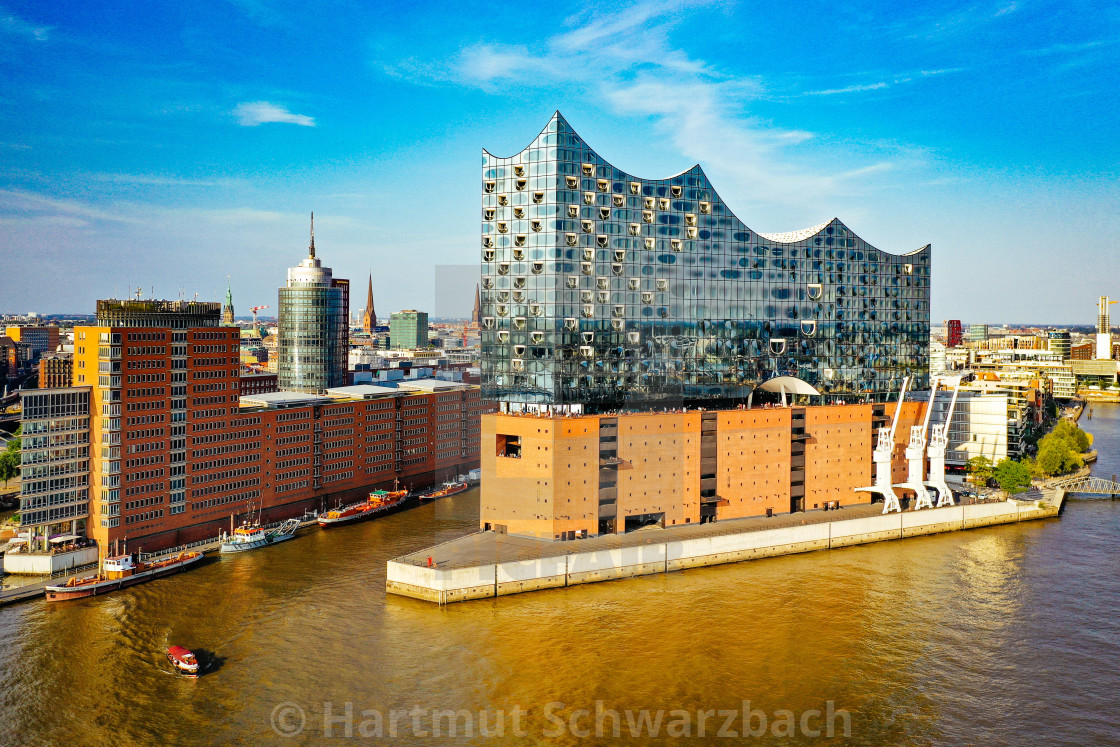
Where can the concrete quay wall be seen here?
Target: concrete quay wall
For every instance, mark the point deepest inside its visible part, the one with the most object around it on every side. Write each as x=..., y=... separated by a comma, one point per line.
x=567, y=568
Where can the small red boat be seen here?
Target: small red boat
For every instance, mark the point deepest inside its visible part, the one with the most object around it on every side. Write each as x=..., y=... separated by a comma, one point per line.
x=379, y=502
x=448, y=488
x=183, y=660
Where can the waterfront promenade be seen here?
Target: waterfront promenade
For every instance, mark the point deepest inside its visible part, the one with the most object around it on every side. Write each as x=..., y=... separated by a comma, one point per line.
x=490, y=564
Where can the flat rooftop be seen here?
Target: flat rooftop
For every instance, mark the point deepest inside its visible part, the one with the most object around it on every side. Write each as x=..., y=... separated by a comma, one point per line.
x=487, y=548
x=363, y=391
x=431, y=385
x=282, y=399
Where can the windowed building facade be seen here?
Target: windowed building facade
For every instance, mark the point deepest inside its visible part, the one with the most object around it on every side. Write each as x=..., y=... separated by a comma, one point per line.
x=314, y=314
x=606, y=290
x=54, y=458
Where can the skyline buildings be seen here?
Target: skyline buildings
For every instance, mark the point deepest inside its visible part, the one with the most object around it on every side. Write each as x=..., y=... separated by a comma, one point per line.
x=790, y=140
x=313, y=316
x=604, y=289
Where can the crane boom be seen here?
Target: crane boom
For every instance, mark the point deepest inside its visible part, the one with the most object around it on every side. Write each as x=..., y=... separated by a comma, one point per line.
x=901, y=398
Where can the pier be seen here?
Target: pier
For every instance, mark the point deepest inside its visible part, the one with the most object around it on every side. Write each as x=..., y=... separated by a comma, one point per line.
x=490, y=564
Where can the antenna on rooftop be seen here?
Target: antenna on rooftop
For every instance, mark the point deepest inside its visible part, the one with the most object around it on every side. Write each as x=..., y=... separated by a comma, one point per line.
x=311, y=249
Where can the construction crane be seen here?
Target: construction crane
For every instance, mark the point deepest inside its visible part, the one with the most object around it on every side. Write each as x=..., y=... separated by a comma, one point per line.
x=915, y=458
x=255, y=309
x=938, y=443
x=883, y=456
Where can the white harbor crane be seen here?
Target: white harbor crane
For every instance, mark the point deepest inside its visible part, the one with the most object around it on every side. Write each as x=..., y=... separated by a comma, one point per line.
x=883, y=456
x=938, y=442
x=916, y=458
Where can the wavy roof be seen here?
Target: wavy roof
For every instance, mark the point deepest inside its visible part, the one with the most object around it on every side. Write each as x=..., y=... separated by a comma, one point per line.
x=787, y=237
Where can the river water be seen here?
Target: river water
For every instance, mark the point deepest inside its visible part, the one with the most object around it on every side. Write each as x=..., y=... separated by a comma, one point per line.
x=1004, y=635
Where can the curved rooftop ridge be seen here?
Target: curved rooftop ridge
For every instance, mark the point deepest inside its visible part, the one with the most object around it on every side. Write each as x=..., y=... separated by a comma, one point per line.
x=787, y=237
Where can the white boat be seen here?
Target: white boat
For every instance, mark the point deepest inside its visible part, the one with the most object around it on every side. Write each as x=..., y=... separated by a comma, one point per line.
x=250, y=536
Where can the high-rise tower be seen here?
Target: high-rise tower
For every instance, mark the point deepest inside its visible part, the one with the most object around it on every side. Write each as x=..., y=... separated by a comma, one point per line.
x=314, y=312
x=1104, y=329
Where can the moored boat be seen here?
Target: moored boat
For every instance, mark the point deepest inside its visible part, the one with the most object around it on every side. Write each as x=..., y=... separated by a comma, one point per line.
x=448, y=488
x=379, y=502
x=250, y=536
x=183, y=659
x=121, y=572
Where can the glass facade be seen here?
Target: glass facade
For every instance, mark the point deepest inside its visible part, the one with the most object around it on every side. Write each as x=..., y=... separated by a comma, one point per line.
x=408, y=329
x=54, y=458
x=604, y=289
x=313, y=338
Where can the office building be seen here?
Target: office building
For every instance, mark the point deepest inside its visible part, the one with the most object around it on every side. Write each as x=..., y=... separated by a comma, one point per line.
x=56, y=370
x=314, y=329
x=35, y=339
x=55, y=464
x=173, y=447
x=604, y=290
x=953, y=334
x=408, y=329
x=977, y=332
x=1060, y=343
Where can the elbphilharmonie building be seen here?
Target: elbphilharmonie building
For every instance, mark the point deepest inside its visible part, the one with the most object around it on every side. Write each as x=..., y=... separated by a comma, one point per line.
x=610, y=291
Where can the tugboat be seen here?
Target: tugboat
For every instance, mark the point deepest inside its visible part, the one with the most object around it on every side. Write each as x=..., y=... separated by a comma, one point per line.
x=379, y=502
x=120, y=572
x=183, y=660
x=448, y=488
x=250, y=536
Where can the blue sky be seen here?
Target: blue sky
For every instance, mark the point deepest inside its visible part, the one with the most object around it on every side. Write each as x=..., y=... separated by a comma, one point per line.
x=169, y=145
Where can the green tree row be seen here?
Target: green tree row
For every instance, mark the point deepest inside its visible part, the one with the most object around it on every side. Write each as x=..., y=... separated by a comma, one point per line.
x=1059, y=452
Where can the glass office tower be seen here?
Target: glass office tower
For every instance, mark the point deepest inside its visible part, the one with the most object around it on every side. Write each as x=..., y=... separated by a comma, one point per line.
x=606, y=290
x=313, y=338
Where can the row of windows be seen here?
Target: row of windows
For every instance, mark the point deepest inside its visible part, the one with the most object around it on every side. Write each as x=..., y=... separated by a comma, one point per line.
x=226, y=462
x=226, y=449
x=146, y=419
x=155, y=487
x=226, y=436
x=241, y=471
x=197, y=492
x=146, y=516
x=145, y=378
x=223, y=500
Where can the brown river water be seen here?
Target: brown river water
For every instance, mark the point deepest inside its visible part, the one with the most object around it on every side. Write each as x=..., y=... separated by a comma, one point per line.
x=1005, y=635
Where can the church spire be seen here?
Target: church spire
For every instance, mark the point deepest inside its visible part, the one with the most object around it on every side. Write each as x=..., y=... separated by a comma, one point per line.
x=476, y=315
x=311, y=249
x=369, y=318
x=227, y=308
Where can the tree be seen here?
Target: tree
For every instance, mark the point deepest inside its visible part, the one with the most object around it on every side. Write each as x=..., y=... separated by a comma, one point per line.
x=9, y=465
x=1060, y=450
x=980, y=469
x=1012, y=476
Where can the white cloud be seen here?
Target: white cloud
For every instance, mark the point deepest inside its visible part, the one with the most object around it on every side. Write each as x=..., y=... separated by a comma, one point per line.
x=849, y=89
x=628, y=60
x=19, y=27
x=253, y=113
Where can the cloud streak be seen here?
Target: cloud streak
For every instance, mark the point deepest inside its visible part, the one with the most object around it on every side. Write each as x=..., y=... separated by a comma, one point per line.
x=848, y=89
x=255, y=113
x=14, y=26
